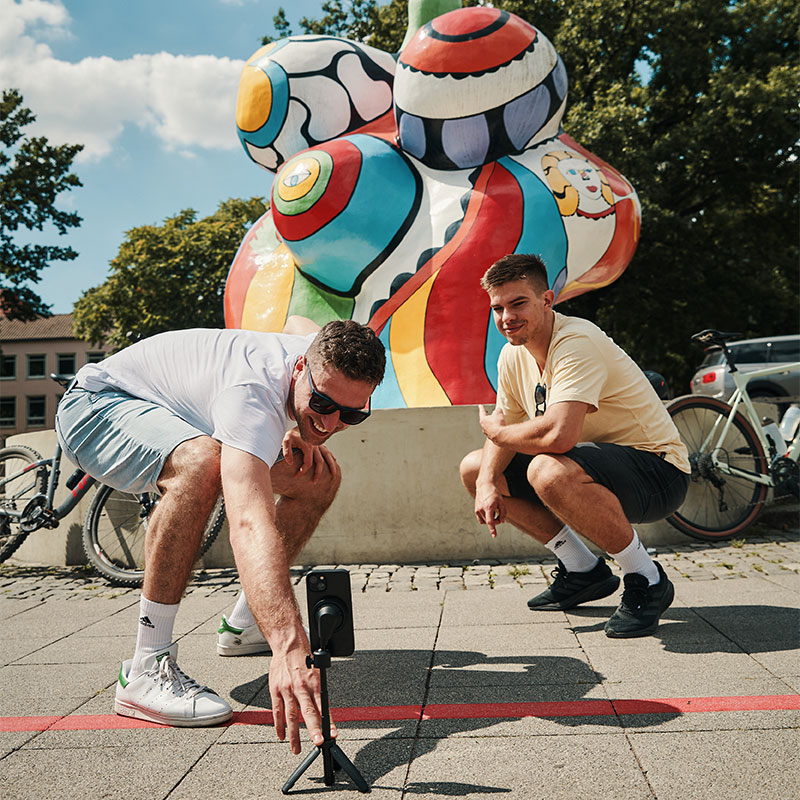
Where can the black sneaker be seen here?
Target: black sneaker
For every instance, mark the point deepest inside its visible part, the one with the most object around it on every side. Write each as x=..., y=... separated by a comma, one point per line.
x=641, y=606
x=570, y=589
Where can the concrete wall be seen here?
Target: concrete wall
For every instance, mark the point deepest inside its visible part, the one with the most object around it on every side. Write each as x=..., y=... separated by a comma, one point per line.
x=401, y=500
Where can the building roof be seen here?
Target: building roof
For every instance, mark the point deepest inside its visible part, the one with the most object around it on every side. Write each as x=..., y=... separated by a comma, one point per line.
x=59, y=326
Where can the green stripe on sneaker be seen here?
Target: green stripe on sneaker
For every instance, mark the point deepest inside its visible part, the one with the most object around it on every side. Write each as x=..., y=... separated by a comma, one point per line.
x=121, y=678
x=225, y=626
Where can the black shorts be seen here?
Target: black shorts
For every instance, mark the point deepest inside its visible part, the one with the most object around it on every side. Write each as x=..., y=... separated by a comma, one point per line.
x=648, y=487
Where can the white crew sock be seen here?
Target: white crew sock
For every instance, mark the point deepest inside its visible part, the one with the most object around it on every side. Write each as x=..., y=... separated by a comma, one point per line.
x=241, y=616
x=155, y=631
x=635, y=558
x=571, y=551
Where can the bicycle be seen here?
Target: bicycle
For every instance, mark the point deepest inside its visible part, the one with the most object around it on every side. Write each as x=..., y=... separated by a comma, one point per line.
x=735, y=459
x=114, y=529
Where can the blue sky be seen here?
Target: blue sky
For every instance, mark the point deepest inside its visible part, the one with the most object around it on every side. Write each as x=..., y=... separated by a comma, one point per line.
x=149, y=87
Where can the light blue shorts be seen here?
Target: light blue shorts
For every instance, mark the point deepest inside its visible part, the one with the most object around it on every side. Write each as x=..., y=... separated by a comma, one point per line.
x=118, y=439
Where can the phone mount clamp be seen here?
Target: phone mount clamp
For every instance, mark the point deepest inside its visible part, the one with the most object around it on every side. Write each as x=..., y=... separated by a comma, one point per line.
x=328, y=615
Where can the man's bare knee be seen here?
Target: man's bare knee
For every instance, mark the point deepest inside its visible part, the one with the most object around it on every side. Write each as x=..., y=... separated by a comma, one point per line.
x=546, y=474
x=469, y=468
x=194, y=467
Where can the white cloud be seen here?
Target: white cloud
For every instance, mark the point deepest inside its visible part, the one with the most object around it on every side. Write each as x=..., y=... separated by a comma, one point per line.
x=185, y=101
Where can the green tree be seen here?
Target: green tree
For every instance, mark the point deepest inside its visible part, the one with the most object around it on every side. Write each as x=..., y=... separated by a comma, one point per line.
x=32, y=175
x=381, y=26
x=167, y=277
x=695, y=102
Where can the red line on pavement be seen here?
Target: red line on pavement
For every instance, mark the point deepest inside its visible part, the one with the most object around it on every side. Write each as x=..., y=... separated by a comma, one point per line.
x=567, y=708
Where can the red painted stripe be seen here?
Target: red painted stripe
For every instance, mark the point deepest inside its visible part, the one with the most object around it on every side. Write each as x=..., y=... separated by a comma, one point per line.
x=567, y=708
x=684, y=705
x=12, y=724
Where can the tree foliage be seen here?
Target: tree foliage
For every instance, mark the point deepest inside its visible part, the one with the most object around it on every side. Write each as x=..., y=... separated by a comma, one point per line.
x=381, y=26
x=695, y=102
x=32, y=175
x=167, y=277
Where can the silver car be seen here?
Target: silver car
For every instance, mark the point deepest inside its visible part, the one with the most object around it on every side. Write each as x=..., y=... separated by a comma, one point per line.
x=712, y=376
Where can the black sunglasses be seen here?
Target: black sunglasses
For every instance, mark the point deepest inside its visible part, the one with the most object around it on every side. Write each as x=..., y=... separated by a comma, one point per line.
x=322, y=404
x=540, y=396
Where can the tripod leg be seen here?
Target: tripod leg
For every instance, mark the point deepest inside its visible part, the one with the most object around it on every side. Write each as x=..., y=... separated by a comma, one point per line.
x=350, y=768
x=327, y=763
x=307, y=761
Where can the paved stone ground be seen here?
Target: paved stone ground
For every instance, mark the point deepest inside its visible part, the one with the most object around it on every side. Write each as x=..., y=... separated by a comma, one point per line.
x=456, y=688
x=763, y=552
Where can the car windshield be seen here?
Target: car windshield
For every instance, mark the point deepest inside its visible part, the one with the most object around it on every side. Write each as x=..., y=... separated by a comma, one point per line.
x=712, y=358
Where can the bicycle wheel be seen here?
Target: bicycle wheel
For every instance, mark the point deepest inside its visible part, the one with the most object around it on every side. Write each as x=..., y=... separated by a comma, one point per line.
x=717, y=505
x=16, y=490
x=114, y=533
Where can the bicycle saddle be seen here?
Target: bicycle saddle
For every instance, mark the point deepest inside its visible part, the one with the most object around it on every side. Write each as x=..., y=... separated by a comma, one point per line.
x=711, y=336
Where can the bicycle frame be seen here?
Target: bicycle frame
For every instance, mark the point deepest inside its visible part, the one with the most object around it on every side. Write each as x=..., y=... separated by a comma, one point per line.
x=51, y=516
x=741, y=397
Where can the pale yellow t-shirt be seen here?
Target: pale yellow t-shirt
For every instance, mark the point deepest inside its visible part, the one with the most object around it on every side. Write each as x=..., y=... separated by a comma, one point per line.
x=583, y=364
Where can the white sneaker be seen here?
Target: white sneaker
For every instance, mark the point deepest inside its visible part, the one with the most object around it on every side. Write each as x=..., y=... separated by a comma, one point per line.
x=241, y=641
x=163, y=693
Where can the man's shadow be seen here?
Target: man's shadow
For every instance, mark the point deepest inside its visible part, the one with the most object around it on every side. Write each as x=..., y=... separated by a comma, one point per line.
x=714, y=629
x=404, y=677
x=384, y=678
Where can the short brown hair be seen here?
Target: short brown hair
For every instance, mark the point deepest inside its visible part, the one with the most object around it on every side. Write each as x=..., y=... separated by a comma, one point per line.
x=351, y=348
x=515, y=267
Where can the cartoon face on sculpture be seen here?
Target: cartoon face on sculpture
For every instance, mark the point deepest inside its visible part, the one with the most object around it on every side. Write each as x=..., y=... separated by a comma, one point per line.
x=397, y=189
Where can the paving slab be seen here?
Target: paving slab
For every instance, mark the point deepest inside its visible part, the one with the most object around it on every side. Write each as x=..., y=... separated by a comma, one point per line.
x=535, y=768
x=720, y=765
x=128, y=773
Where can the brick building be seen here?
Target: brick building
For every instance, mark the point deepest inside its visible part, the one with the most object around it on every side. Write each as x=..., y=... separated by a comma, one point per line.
x=29, y=352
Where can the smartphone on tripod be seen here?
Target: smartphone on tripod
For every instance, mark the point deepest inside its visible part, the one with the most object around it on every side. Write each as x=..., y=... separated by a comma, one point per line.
x=328, y=591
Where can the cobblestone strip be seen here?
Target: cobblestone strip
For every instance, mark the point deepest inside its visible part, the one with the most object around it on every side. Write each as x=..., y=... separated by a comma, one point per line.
x=771, y=553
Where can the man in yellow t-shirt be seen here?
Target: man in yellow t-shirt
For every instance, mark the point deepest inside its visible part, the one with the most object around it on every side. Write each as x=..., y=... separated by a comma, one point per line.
x=579, y=441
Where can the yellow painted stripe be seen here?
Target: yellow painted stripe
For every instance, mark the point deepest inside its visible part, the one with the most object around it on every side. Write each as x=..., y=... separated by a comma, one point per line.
x=269, y=293
x=407, y=343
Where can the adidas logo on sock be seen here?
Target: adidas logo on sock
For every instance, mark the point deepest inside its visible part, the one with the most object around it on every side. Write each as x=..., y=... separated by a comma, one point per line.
x=146, y=622
x=559, y=543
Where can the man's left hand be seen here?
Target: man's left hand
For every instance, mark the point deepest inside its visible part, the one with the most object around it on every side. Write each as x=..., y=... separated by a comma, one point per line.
x=315, y=457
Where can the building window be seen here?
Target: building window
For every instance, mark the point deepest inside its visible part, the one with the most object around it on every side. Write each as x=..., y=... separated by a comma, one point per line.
x=65, y=363
x=8, y=412
x=36, y=411
x=8, y=368
x=36, y=366
x=93, y=356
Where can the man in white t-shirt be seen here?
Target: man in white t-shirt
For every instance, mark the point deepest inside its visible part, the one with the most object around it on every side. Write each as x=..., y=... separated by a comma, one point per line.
x=578, y=442
x=189, y=414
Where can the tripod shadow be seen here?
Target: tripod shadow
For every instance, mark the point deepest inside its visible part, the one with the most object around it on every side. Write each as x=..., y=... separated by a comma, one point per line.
x=382, y=678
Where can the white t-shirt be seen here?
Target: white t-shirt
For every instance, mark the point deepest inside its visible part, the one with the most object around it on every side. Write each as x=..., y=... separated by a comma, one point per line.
x=230, y=384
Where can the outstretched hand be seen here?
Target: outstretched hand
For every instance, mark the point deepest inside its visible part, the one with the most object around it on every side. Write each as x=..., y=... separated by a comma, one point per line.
x=295, y=692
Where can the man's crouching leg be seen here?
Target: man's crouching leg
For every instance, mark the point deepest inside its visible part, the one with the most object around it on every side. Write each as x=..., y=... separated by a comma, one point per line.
x=151, y=686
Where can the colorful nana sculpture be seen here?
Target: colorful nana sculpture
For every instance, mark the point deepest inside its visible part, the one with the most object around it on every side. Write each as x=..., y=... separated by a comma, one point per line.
x=399, y=182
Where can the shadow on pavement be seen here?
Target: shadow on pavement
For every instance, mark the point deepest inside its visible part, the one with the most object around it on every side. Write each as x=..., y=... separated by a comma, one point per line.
x=404, y=677
x=716, y=629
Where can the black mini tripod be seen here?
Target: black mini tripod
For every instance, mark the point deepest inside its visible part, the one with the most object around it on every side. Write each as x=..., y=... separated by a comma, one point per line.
x=327, y=617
